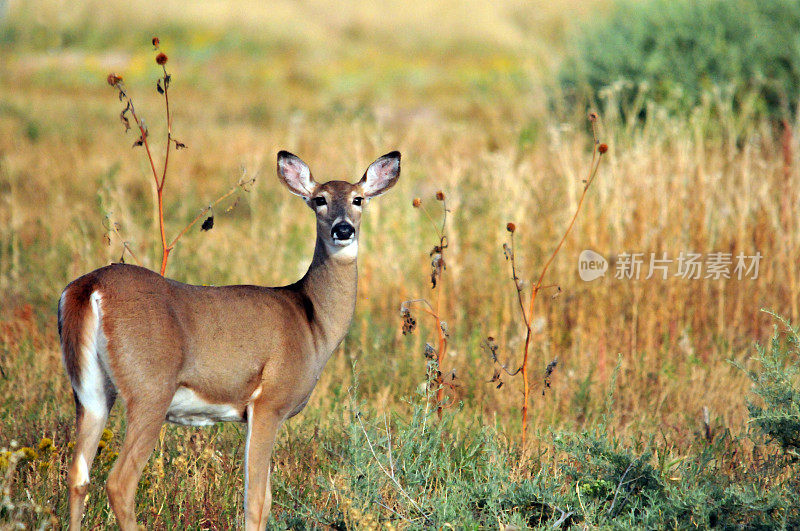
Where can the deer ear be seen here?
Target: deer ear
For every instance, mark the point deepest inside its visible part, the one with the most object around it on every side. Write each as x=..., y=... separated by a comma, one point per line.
x=381, y=175
x=294, y=173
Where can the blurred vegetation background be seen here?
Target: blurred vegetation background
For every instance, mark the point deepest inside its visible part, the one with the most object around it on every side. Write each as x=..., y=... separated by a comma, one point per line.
x=487, y=101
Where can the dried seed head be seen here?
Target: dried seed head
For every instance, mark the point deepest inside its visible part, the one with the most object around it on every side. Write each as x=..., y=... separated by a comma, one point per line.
x=510, y=227
x=548, y=372
x=602, y=148
x=156, y=42
x=440, y=196
x=409, y=323
x=430, y=352
x=113, y=79
x=417, y=202
x=161, y=58
x=592, y=116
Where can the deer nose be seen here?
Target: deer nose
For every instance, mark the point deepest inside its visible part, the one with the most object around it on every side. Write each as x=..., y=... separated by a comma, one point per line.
x=342, y=231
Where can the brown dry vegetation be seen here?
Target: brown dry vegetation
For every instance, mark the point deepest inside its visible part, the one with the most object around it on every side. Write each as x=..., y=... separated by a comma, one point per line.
x=467, y=105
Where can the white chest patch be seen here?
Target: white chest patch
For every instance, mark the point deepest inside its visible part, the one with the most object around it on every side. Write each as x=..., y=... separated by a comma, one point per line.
x=188, y=409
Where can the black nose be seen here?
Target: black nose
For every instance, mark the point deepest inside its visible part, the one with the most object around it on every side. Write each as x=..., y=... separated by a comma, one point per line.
x=342, y=231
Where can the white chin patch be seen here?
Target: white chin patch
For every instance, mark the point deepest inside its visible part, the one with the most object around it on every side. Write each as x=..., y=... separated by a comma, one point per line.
x=347, y=249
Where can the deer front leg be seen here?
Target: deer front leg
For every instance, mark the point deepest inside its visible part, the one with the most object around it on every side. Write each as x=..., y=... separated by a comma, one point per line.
x=262, y=427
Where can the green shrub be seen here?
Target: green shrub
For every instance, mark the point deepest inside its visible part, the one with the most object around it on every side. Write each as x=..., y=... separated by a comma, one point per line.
x=777, y=385
x=423, y=472
x=608, y=477
x=676, y=52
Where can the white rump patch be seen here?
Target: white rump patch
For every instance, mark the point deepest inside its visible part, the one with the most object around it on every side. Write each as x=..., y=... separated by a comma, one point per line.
x=94, y=373
x=188, y=409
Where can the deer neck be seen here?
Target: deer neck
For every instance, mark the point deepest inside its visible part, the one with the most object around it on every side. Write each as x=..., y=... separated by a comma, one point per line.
x=330, y=284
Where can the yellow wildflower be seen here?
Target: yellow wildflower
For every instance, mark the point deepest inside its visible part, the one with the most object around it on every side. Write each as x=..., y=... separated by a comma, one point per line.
x=27, y=453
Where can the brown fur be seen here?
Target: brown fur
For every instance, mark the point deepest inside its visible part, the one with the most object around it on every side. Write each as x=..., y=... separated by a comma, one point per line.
x=71, y=318
x=257, y=350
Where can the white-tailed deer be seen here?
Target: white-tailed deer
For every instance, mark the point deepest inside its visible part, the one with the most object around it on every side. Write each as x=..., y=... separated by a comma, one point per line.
x=196, y=355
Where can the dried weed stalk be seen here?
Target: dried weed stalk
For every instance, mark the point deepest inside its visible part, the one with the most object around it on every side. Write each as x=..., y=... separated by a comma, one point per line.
x=160, y=177
x=434, y=355
x=527, y=313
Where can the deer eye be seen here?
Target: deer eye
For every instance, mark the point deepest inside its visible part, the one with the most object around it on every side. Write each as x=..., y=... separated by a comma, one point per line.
x=357, y=201
x=320, y=201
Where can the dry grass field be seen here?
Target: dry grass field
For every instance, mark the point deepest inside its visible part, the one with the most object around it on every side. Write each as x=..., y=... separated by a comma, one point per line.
x=466, y=91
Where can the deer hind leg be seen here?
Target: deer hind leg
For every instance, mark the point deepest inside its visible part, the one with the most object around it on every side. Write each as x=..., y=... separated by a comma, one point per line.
x=144, y=424
x=262, y=427
x=94, y=394
x=90, y=426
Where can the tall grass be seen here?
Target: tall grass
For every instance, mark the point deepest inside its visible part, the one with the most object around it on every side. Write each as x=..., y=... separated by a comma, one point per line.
x=471, y=119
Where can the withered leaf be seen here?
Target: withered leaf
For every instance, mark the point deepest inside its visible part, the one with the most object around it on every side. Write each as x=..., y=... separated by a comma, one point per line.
x=208, y=224
x=167, y=79
x=124, y=118
x=490, y=346
x=437, y=264
x=548, y=372
x=138, y=142
x=179, y=144
x=500, y=385
x=159, y=88
x=430, y=352
x=551, y=367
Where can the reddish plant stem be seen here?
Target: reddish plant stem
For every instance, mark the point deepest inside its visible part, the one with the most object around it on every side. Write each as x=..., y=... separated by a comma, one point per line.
x=143, y=132
x=442, y=340
x=159, y=185
x=169, y=128
x=165, y=250
x=595, y=164
x=439, y=352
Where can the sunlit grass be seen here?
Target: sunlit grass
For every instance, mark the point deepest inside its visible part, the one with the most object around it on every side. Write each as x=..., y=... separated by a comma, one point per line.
x=471, y=114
